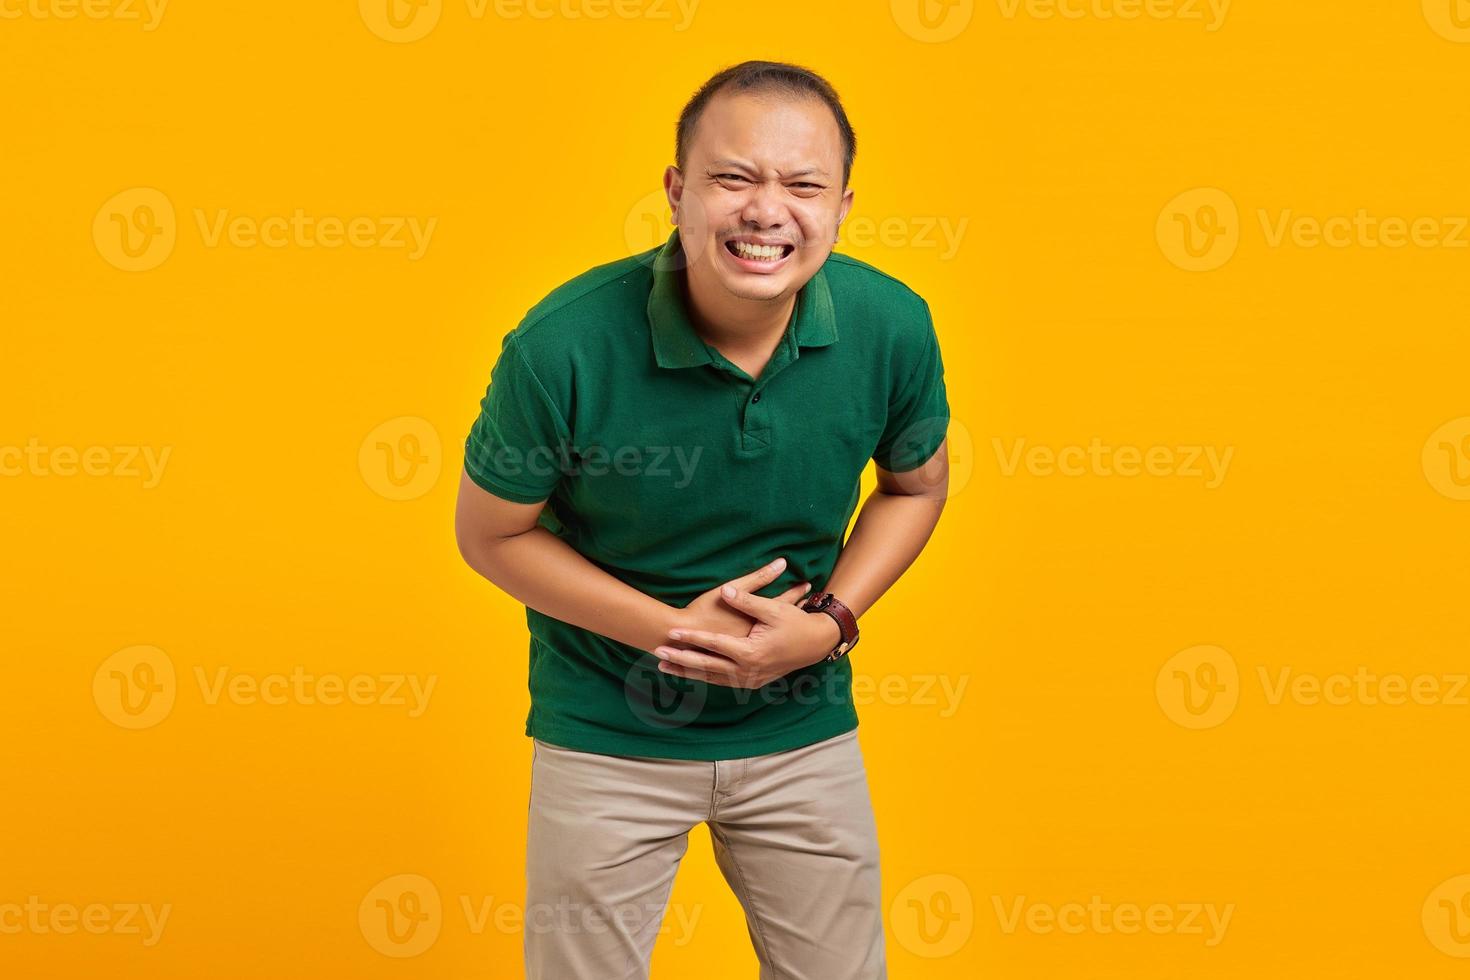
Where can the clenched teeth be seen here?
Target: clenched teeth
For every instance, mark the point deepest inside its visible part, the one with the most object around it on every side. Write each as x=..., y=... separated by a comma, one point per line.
x=760, y=253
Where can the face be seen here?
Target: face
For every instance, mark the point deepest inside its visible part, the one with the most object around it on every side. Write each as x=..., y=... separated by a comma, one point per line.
x=761, y=196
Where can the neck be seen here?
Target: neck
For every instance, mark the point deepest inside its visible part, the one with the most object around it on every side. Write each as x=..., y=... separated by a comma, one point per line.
x=729, y=322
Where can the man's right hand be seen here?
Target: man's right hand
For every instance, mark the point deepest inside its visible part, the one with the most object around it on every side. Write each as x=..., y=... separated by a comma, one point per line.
x=710, y=612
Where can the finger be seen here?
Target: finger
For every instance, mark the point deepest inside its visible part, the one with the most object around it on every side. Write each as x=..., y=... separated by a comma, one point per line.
x=674, y=670
x=794, y=594
x=756, y=607
x=732, y=647
x=764, y=575
x=697, y=660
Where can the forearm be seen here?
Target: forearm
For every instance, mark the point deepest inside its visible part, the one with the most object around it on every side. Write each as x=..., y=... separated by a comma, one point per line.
x=545, y=573
x=890, y=532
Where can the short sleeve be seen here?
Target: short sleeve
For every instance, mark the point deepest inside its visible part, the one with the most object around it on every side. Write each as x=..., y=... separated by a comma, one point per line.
x=516, y=448
x=918, y=412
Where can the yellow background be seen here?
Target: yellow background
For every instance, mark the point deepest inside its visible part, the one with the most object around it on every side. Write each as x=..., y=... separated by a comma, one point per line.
x=1076, y=763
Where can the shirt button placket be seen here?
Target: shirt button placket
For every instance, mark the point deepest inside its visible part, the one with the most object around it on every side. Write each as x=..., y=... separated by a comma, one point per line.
x=757, y=430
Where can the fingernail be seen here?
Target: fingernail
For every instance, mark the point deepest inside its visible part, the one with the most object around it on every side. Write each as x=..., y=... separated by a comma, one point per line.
x=778, y=562
x=728, y=592
x=675, y=635
x=659, y=653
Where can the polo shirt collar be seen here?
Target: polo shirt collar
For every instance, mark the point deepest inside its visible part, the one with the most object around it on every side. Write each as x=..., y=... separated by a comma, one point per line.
x=677, y=344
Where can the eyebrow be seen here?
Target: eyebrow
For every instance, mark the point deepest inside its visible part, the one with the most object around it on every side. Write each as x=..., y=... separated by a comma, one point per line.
x=742, y=165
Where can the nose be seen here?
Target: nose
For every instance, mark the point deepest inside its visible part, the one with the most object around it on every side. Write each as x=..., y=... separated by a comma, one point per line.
x=763, y=207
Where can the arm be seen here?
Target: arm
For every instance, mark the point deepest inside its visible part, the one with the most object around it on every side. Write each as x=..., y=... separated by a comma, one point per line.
x=501, y=540
x=894, y=524
x=500, y=537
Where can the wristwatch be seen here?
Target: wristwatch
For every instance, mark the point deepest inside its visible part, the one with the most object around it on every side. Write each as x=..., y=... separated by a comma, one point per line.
x=826, y=602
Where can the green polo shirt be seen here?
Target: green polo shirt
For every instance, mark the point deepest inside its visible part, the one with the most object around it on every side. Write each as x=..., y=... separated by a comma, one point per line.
x=670, y=468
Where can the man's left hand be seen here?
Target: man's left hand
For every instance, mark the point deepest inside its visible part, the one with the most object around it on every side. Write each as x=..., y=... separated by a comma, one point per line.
x=784, y=638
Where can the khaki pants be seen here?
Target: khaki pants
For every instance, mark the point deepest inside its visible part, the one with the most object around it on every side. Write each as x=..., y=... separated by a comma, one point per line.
x=793, y=834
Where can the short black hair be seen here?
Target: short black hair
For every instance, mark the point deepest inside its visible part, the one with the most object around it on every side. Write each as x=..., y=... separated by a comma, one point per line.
x=774, y=76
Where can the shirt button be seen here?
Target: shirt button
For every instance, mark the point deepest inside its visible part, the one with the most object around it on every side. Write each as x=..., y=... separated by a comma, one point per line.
x=755, y=398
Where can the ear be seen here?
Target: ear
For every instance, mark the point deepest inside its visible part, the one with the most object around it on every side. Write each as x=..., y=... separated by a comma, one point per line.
x=673, y=189
x=847, y=197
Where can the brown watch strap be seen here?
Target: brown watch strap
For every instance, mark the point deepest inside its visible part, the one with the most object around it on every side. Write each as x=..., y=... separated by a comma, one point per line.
x=826, y=602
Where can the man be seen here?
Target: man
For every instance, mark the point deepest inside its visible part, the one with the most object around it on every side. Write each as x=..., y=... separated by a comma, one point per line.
x=654, y=429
